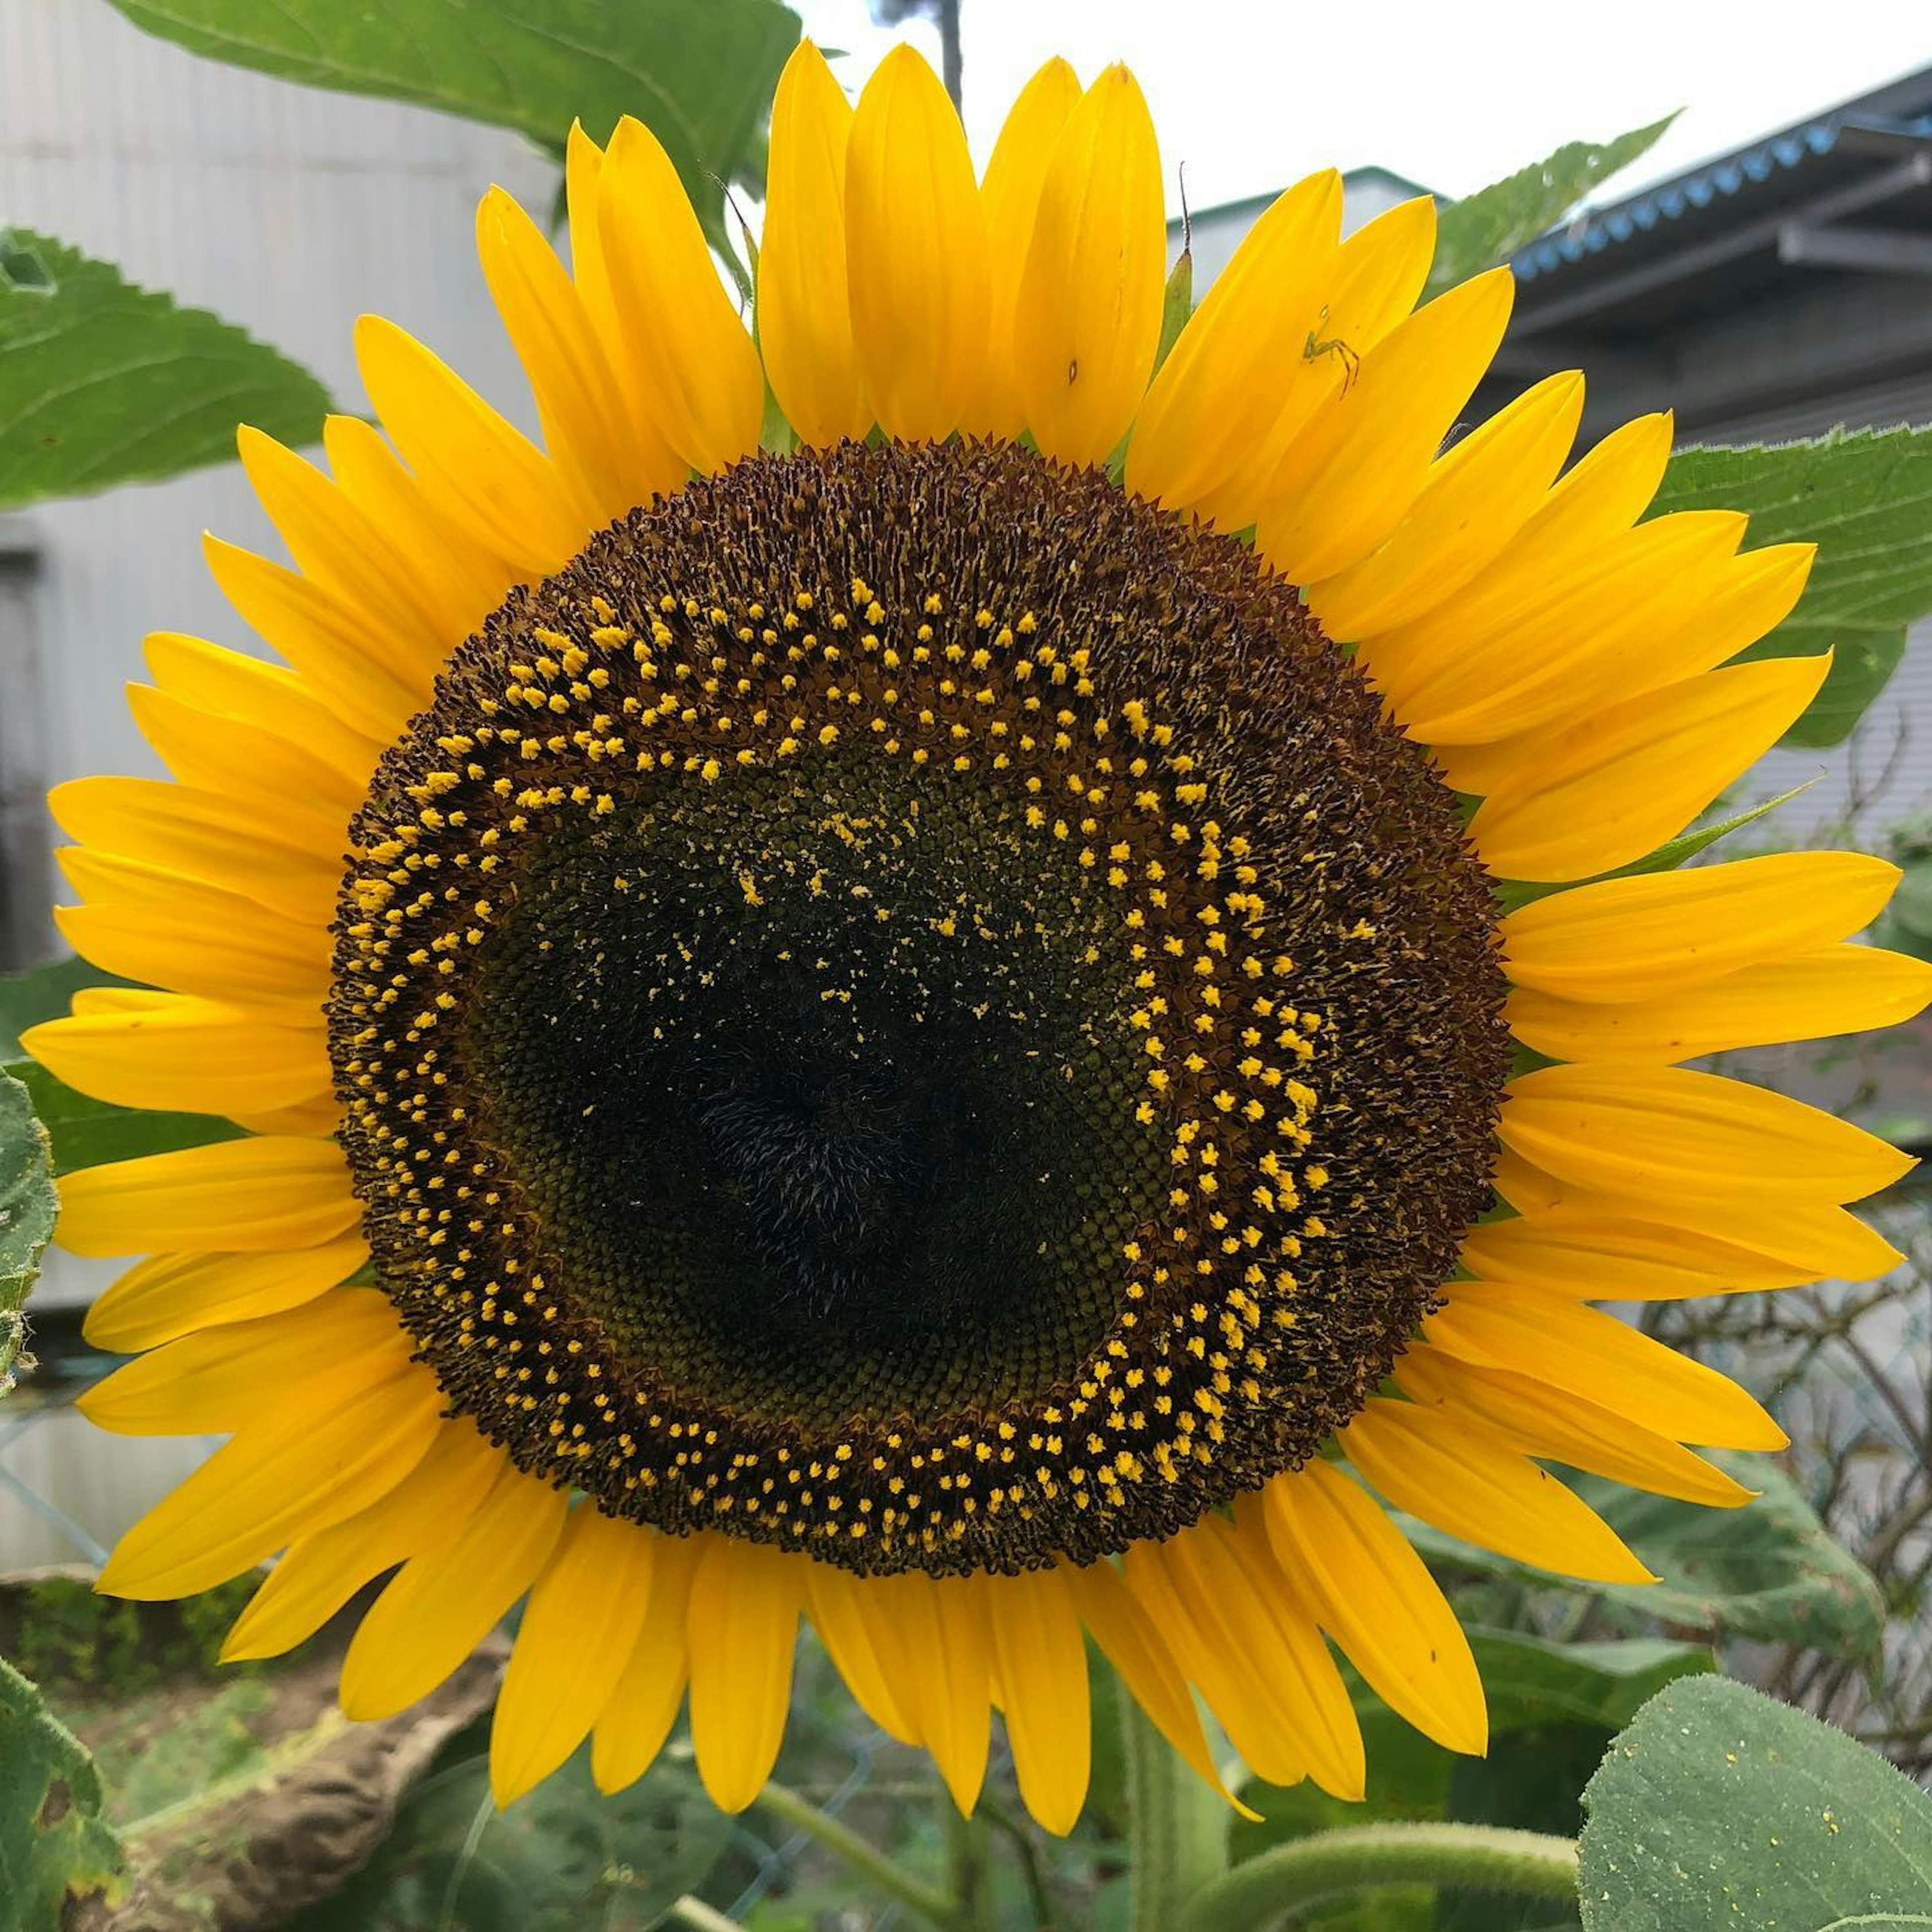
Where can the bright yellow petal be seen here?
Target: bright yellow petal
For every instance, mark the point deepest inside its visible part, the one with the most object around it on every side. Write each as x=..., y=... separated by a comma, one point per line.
x=1478, y=496
x=1837, y=989
x=171, y=1295
x=1591, y=1354
x=1010, y=194
x=427, y=1510
x=742, y=1631
x=1541, y=1420
x=706, y=386
x=1088, y=319
x=479, y=470
x=943, y=1636
x=607, y=466
x=847, y=1614
x=1347, y=480
x=281, y=1479
x=637, y=1719
x=1665, y=1133
x=1196, y=431
x=577, y=1633
x=203, y=835
x=1463, y=1479
x=1658, y=933
x=226, y=1379
x=805, y=314
x=1042, y=1670
x=1374, y=1595
x=248, y=1196
x=177, y=933
x=442, y=1604
x=917, y=255
x=455, y=579
x=1132, y=1643
x=1606, y=791
x=1602, y=1257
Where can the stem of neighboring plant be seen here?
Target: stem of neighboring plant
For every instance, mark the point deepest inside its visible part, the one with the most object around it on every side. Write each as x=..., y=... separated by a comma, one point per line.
x=967, y=1848
x=1330, y=1864
x=1177, y=1827
x=700, y=1917
x=844, y=1842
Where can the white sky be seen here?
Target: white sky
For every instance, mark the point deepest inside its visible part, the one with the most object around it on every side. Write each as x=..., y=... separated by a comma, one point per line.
x=1252, y=94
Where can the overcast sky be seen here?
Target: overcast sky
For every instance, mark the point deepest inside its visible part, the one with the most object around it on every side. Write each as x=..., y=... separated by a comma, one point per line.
x=1252, y=94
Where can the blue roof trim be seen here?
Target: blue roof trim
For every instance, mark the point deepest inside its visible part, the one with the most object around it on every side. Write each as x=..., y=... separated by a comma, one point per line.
x=1592, y=233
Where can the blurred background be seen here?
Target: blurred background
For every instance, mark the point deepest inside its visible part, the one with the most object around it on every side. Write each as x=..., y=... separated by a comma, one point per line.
x=1764, y=269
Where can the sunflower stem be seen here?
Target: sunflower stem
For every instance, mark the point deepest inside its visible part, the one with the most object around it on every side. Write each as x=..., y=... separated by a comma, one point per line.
x=915, y=1895
x=1329, y=1864
x=1177, y=1827
x=968, y=1866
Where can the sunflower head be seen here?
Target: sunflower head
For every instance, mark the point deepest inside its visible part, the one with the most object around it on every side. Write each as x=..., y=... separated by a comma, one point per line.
x=911, y=1021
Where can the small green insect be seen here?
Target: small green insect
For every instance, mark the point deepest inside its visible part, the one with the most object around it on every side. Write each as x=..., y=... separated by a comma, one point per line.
x=1317, y=346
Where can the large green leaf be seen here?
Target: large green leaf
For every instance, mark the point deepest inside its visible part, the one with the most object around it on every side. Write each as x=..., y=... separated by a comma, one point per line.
x=27, y=1208
x=1769, y=1570
x=1719, y=1808
x=60, y=1866
x=102, y=382
x=1864, y=497
x=1489, y=227
x=698, y=73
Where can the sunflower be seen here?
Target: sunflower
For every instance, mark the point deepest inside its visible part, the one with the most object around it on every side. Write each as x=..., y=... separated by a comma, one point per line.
x=943, y=974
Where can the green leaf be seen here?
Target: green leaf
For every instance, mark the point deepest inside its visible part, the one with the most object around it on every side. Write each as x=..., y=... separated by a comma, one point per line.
x=27, y=1209
x=1769, y=1570
x=1489, y=227
x=1864, y=497
x=700, y=76
x=60, y=1866
x=1531, y=1681
x=106, y=383
x=1719, y=1808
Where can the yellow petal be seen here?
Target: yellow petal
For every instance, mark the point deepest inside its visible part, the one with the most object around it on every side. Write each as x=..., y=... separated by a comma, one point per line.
x=456, y=578
x=1665, y=1133
x=1601, y=496
x=637, y=1719
x=1088, y=319
x=1464, y=1480
x=1349, y=478
x=1598, y=1256
x=1235, y=1592
x=1605, y=792
x=943, y=1633
x=577, y=1633
x=743, y=1630
x=848, y=1615
x=280, y=1479
x=1133, y=1643
x=204, y=836
x=228, y=1378
x=442, y=1604
x=706, y=386
x=1042, y=1668
x=1374, y=1595
x=191, y=1055
x=171, y=1295
x=479, y=470
x=1009, y=193
x=1478, y=496
x=1656, y=934
x=1836, y=989
x=917, y=255
x=342, y=547
x=428, y=1509
x=1595, y=1357
x=805, y=315
x=177, y=934
x=1541, y=1420
x=248, y=1196
x=1196, y=431
x=608, y=466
